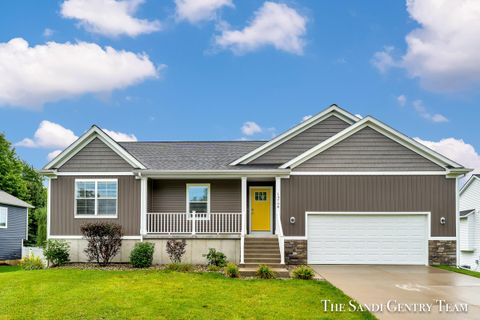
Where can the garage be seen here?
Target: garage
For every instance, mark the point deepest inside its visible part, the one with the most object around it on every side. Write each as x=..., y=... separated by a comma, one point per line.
x=367, y=238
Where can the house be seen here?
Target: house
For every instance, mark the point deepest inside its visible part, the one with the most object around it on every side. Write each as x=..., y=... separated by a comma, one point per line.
x=13, y=226
x=470, y=223
x=334, y=189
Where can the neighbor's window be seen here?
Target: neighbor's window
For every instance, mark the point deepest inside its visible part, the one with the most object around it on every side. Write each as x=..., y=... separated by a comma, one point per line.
x=3, y=217
x=198, y=198
x=96, y=197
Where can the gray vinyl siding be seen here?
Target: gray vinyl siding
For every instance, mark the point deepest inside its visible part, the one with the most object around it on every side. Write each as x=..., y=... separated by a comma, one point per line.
x=96, y=157
x=170, y=196
x=435, y=194
x=368, y=150
x=11, y=237
x=62, y=209
x=303, y=141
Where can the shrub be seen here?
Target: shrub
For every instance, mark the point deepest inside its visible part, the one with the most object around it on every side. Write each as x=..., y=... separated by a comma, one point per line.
x=179, y=267
x=104, y=241
x=41, y=216
x=216, y=258
x=213, y=268
x=264, y=272
x=176, y=250
x=31, y=262
x=57, y=252
x=142, y=255
x=231, y=270
x=303, y=272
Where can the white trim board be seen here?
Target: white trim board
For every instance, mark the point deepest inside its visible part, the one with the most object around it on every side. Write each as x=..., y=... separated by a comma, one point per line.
x=333, y=110
x=105, y=173
x=368, y=173
x=382, y=129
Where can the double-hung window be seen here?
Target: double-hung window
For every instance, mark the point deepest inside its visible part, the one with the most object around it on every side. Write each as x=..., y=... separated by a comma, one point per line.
x=198, y=200
x=96, y=198
x=3, y=217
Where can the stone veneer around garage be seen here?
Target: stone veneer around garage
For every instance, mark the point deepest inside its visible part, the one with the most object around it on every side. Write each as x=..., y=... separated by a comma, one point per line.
x=295, y=252
x=442, y=252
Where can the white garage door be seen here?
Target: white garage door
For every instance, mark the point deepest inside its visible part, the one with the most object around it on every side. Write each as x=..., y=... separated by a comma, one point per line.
x=367, y=239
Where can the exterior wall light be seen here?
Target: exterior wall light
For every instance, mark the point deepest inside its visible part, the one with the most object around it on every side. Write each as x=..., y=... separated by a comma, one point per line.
x=292, y=220
x=443, y=220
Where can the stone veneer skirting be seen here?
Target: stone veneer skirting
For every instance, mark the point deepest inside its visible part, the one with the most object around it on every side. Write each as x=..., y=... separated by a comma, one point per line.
x=295, y=252
x=442, y=252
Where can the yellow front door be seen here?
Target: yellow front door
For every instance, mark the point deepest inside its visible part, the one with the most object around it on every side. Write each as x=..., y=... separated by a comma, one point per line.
x=260, y=210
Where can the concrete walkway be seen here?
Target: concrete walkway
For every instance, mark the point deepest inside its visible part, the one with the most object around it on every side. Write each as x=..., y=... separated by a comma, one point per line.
x=414, y=287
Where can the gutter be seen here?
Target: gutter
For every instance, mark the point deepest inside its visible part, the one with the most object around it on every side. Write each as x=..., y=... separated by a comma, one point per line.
x=267, y=173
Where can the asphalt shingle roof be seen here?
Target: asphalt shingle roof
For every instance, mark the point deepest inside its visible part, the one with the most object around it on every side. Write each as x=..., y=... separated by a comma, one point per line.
x=6, y=198
x=193, y=155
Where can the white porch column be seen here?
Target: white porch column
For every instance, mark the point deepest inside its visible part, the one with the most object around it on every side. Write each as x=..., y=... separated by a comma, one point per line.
x=278, y=224
x=49, y=205
x=143, y=205
x=244, y=219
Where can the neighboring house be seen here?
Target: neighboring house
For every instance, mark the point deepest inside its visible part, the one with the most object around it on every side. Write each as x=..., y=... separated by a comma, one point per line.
x=335, y=189
x=470, y=223
x=13, y=226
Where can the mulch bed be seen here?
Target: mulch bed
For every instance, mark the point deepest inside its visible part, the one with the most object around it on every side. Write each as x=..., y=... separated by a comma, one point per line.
x=123, y=267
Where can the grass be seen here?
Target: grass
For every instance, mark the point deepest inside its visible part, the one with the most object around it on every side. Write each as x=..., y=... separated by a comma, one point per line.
x=147, y=294
x=5, y=268
x=460, y=270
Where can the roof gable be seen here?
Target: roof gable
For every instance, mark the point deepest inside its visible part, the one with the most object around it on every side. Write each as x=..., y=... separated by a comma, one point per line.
x=8, y=199
x=332, y=110
x=472, y=179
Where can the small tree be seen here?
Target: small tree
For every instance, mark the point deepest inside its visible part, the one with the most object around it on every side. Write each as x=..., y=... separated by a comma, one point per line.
x=104, y=241
x=57, y=252
x=176, y=249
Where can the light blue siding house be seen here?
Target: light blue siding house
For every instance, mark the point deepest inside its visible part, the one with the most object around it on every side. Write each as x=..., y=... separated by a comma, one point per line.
x=13, y=226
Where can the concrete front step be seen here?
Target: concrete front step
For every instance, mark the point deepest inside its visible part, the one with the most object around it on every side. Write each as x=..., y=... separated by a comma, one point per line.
x=252, y=272
x=262, y=255
x=261, y=246
x=262, y=260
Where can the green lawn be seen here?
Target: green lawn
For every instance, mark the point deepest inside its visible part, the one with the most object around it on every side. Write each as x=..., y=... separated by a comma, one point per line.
x=139, y=294
x=4, y=268
x=459, y=270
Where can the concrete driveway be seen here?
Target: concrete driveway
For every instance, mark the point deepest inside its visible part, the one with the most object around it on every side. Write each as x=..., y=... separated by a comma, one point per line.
x=397, y=289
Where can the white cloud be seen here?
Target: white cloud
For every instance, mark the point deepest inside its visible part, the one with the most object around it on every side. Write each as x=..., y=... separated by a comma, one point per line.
x=32, y=76
x=274, y=24
x=424, y=113
x=250, y=128
x=47, y=32
x=195, y=11
x=305, y=118
x=402, y=100
x=49, y=135
x=383, y=60
x=120, y=136
x=109, y=17
x=53, y=154
x=443, y=52
x=456, y=150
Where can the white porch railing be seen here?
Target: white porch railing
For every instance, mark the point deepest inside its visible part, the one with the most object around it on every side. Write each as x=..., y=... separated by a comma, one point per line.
x=194, y=223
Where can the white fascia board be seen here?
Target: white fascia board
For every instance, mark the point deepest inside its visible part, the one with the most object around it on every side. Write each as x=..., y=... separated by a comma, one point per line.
x=369, y=173
x=333, y=110
x=381, y=128
x=86, y=138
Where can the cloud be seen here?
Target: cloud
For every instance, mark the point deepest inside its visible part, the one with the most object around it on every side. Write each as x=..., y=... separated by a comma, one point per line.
x=383, y=60
x=274, y=24
x=120, y=136
x=402, y=100
x=250, y=128
x=195, y=11
x=49, y=135
x=443, y=52
x=456, y=150
x=109, y=17
x=53, y=154
x=47, y=32
x=424, y=113
x=33, y=76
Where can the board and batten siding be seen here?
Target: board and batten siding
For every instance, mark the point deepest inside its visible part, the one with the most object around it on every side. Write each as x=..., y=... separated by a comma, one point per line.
x=62, y=215
x=303, y=141
x=96, y=157
x=368, y=150
x=170, y=196
x=11, y=238
x=435, y=194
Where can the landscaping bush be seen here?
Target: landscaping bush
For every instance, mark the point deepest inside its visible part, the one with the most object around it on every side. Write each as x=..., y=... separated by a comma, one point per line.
x=213, y=268
x=264, y=272
x=41, y=216
x=142, y=255
x=31, y=262
x=231, y=270
x=57, y=252
x=216, y=258
x=104, y=241
x=179, y=267
x=303, y=272
x=176, y=250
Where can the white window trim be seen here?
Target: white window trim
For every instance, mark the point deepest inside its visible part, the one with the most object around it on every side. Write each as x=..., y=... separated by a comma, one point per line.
x=6, y=218
x=188, y=200
x=96, y=215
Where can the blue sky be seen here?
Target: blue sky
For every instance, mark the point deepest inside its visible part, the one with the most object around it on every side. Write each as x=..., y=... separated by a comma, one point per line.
x=202, y=73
